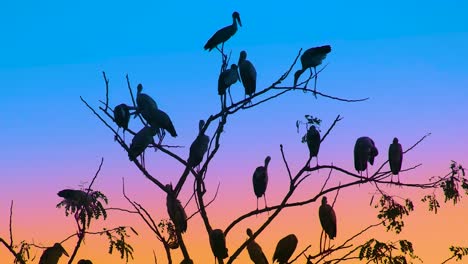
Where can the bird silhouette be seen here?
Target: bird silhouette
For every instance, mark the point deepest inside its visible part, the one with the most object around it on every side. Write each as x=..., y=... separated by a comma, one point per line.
x=255, y=251
x=198, y=147
x=122, y=117
x=52, y=254
x=85, y=261
x=140, y=142
x=223, y=34
x=159, y=119
x=260, y=180
x=313, y=142
x=218, y=245
x=144, y=100
x=176, y=210
x=225, y=80
x=395, y=158
x=327, y=219
x=75, y=197
x=285, y=248
x=248, y=74
x=312, y=58
x=364, y=150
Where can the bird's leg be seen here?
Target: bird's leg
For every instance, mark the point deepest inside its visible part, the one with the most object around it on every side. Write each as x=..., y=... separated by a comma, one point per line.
x=230, y=96
x=321, y=236
x=256, y=214
x=266, y=206
x=315, y=83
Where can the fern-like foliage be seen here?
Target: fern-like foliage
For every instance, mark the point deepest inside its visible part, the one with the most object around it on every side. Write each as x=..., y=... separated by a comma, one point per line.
x=452, y=184
x=166, y=226
x=84, y=205
x=22, y=254
x=432, y=202
x=392, y=212
x=117, y=239
x=459, y=252
x=399, y=252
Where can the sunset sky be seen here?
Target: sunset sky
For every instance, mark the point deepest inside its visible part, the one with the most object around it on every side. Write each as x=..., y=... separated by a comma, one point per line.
x=408, y=57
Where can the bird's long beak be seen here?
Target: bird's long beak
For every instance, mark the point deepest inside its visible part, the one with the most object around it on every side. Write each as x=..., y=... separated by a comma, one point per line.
x=239, y=21
x=65, y=252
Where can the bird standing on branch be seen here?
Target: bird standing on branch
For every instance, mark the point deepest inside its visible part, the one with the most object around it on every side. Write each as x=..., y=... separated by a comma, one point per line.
x=364, y=150
x=312, y=58
x=218, y=245
x=225, y=80
x=260, y=180
x=313, y=142
x=395, y=158
x=223, y=34
x=122, y=117
x=327, y=220
x=140, y=142
x=248, y=74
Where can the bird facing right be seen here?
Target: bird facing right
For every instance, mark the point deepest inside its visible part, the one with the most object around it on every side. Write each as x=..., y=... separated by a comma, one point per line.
x=364, y=150
x=395, y=158
x=223, y=34
x=52, y=254
x=260, y=180
x=327, y=218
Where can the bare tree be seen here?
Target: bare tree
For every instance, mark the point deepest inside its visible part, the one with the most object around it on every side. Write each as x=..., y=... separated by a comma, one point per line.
x=392, y=209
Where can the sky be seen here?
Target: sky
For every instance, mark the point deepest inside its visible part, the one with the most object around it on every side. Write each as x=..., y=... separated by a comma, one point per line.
x=409, y=58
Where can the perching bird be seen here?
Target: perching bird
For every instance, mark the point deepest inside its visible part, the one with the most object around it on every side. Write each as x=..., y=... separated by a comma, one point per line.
x=395, y=158
x=364, y=150
x=75, y=197
x=218, y=245
x=327, y=219
x=313, y=142
x=85, y=261
x=198, y=147
x=176, y=210
x=140, y=142
x=260, y=180
x=248, y=74
x=225, y=80
x=160, y=120
x=223, y=34
x=144, y=101
x=122, y=117
x=52, y=254
x=255, y=251
x=312, y=58
x=285, y=248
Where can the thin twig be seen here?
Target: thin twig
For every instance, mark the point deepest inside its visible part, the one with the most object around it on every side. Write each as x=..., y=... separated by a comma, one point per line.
x=285, y=162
